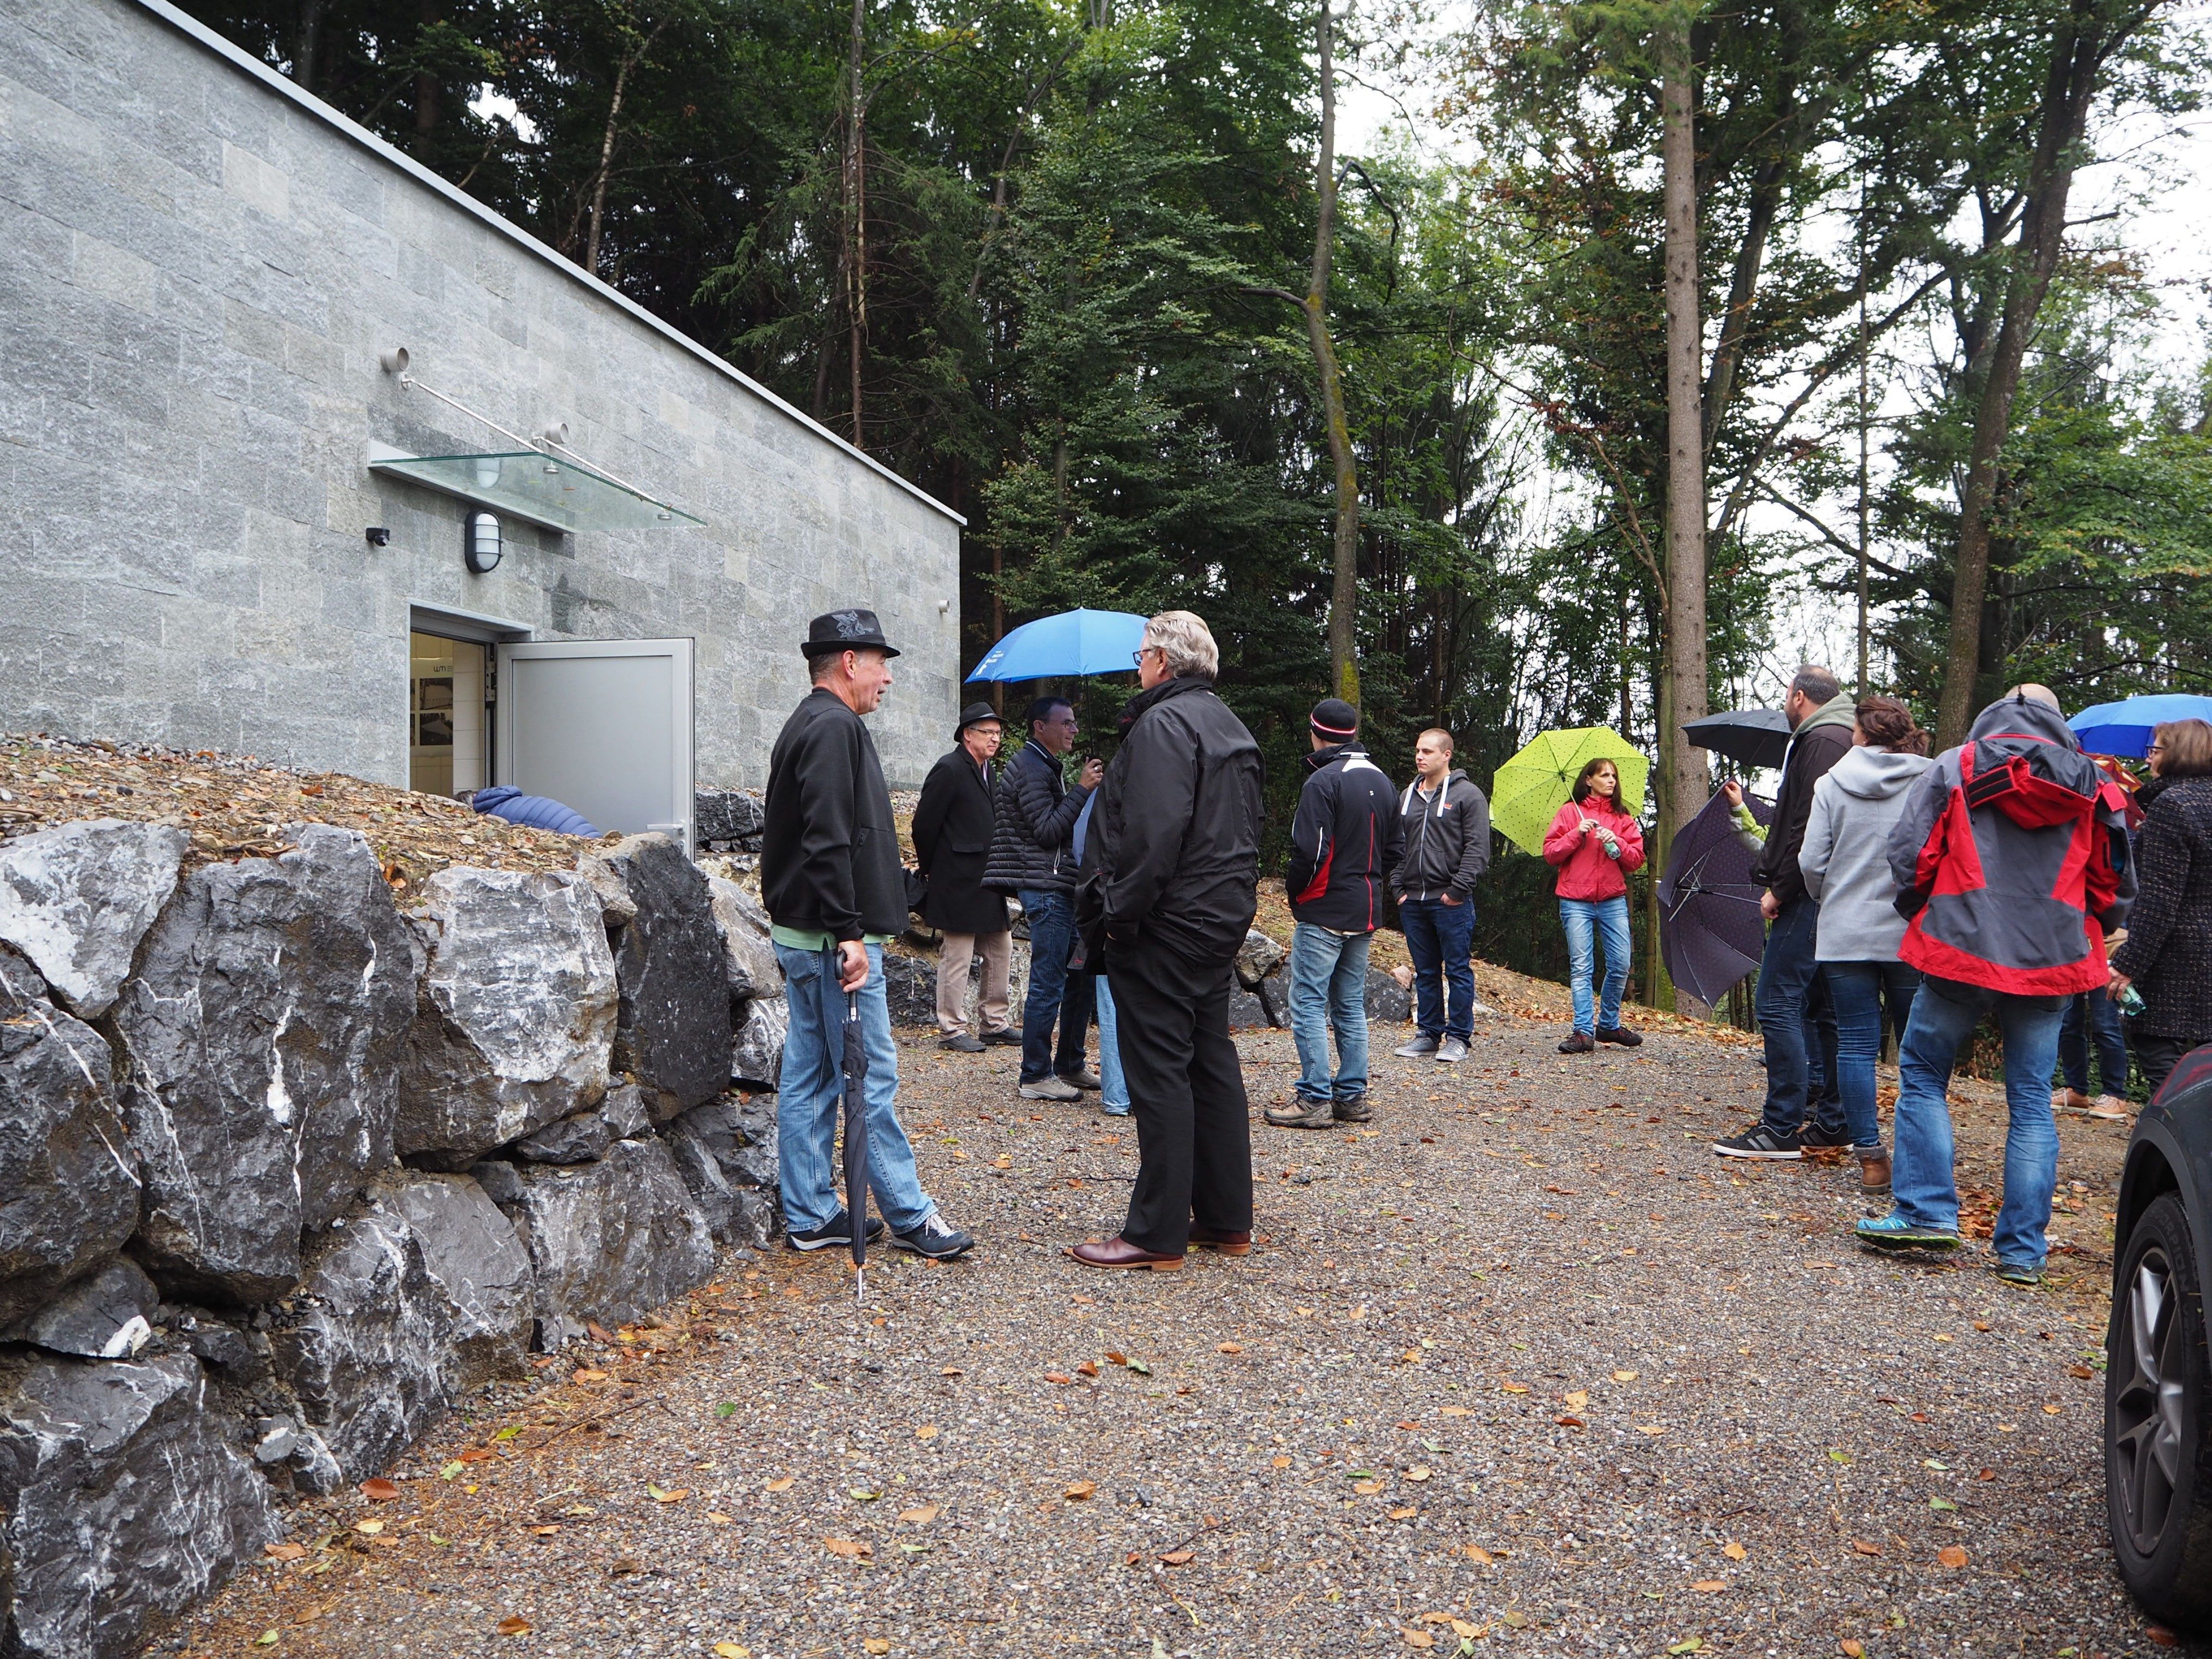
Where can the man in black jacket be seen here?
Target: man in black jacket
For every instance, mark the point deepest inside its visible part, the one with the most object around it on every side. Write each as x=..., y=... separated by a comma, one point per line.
x=1444, y=821
x=1033, y=857
x=952, y=826
x=835, y=893
x=1792, y=998
x=1167, y=896
x=1344, y=842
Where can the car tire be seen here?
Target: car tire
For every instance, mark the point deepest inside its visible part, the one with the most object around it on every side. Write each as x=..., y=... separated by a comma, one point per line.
x=2158, y=1463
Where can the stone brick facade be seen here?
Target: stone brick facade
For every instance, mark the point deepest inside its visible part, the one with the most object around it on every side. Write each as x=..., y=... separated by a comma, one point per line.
x=202, y=266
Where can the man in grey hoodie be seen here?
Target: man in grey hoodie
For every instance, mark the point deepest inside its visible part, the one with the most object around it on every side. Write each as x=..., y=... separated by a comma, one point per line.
x=1444, y=823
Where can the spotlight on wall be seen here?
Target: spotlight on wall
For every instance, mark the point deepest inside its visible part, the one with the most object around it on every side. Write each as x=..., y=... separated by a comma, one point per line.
x=480, y=547
x=378, y=536
x=393, y=361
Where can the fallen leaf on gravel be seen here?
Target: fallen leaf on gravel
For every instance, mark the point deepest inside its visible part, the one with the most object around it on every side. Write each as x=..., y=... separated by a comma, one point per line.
x=1058, y=1376
x=732, y=1650
x=1411, y=1356
x=861, y=1494
x=919, y=1514
x=1117, y=1358
x=284, y=1551
x=1515, y=1388
x=1865, y=1546
x=1367, y=1488
x=1734, y=1551
x=508, y=1432
x=1406, y=1514
x=784, y=1485
x=852, y=1549
x=591, y=1377
x=948, y=1370
x=1471, y=1632
x=1623, y=1377
x=925, y=1431
x=1177, y=1558
x=1708, y=1585
x=1081, y=1489
x=379, y=1489
x=716, y=1518
x=1981, y=1324
x=1088, y=1368
x=1476, y=1552
x=544, y=1532
x=514, y=1625
x=266, y=1639
x=1282, y=1461
x=2081, y=1372
x=2052, y=1411
x=448, y=1470
x=1420, y=1639
x=598, y=1332
x=1853, y=1648
x=477, y=1454
x=1952, y=1555
x=1578, y=1398
x=1650, y=1428
x=1942, y=1504
x=368, y=1529
x=875, y=1644
x=726, y=1410
x=1569, y=1422
x=1457, y=1411
x=1139, y=1367
x=1516, y=1618
x=660, y=1495
x=1229, y=1347
x=1986, y=1474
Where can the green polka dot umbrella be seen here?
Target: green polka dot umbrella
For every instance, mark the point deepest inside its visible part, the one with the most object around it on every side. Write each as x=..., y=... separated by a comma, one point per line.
x=1530, y=788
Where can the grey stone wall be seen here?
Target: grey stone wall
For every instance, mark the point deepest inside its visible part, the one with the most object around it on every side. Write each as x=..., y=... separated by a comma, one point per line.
x=200, y=267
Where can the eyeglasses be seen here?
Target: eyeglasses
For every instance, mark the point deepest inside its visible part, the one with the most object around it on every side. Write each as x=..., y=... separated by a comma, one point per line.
x=1138, y=656
x=2156, y=749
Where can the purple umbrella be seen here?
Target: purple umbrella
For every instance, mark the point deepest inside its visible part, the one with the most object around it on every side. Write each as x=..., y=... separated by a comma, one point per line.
x=1710, y=929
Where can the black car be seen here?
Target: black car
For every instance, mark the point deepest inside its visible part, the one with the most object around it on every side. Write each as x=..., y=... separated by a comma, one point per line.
x=2158, y=1376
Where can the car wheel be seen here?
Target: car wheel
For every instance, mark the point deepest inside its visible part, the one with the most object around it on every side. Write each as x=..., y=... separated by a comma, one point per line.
x=2158, y=1467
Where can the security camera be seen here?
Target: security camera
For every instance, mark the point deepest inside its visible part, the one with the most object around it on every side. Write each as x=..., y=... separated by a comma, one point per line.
x=378, y=536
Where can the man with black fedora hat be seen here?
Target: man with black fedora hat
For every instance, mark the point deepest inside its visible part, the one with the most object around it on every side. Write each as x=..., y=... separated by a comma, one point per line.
x=952, y=826
x=834, y=891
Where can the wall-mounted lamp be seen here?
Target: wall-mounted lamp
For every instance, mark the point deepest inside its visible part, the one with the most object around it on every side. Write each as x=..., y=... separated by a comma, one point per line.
x=394, y=361
x=378, y=536
x=944, y=607
x=480, y=547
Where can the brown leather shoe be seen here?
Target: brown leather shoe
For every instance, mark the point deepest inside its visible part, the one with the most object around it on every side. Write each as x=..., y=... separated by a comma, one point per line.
x=1119, y=1253
x=1228, y=1244
x=1874, y=1175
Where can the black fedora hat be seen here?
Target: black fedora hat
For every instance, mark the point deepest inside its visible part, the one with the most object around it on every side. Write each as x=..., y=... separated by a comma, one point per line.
x=975, y=714
x=846, y=630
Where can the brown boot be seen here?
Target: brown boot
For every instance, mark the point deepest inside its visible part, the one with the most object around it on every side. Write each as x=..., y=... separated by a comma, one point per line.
x=1229, y=1244
x=1874, y=1175
x=1119, y=1253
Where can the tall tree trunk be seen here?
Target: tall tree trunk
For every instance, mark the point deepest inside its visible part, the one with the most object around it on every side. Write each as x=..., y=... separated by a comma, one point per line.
x=2078, y=57
x=856, y=211
x=1344, y=591
x=630, y=60
x=1685, y=778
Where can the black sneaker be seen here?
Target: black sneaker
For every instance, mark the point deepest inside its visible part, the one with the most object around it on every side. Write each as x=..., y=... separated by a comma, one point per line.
x=936, y=1238
x=960, y=1044
x=1005, y=1037
x=838, y=1230
x=1814, y=1138
x=1620, y=1034
x=1577, y=1042
x=1763, y=1144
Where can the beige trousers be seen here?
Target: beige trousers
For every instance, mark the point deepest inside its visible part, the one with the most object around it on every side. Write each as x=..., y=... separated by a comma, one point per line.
x=953, y=957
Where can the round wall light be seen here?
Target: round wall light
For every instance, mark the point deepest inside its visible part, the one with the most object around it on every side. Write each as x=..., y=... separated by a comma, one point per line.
x=480, y=547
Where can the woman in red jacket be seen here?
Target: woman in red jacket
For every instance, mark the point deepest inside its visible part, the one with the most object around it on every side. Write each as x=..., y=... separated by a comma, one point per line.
x=1594, y=845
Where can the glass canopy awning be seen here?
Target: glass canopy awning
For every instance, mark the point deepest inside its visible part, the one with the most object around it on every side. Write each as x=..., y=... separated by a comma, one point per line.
x=530, y=484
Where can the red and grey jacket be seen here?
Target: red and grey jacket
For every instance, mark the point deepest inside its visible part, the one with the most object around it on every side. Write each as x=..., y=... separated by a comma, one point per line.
x=2011, y=858
x=1344, y=841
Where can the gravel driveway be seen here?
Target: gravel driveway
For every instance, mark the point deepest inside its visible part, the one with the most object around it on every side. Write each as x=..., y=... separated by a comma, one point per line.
x=1520, y=1367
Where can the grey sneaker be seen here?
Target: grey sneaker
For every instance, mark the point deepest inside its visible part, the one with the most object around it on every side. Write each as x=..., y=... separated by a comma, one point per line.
x=936, y=1237
x=1420, y=1048
x=1451, y=1051
x=1086, y=1080
x=1302, y=1115
x=1050, y=1088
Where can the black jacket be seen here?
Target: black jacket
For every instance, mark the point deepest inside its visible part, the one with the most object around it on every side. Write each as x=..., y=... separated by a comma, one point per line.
x=1031, y=844
x=2169, y=949
x=830, y=854
x=1176, y=836
x=1344, y=841
x=1824, y=739
x=952, y=827
x=1446, y=839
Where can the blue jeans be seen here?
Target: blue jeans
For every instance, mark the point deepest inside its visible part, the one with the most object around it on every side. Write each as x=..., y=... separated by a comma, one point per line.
x=1786, y=1003
x=1112, y=1087
x=1859, y=989
x=1328, y=992
x=1609, y=920
x=2100, y=1016
x=1054, y=995
x=1440, y=937
x=808, y=1090
x=1944, y=1015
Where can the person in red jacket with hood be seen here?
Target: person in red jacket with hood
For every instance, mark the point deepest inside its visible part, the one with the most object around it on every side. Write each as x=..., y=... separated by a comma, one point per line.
x=1594, y=845
x=2011, y=861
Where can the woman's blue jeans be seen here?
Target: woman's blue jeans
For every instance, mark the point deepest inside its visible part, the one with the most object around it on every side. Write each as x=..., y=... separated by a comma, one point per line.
x=1609, y=920
x=1859, y=989
x=1113, y=1086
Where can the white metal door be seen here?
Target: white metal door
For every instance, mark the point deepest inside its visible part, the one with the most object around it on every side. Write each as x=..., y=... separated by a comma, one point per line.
x=603, y=726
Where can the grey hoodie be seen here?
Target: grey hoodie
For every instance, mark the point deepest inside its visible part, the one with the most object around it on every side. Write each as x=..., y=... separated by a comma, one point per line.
x=1845, y=856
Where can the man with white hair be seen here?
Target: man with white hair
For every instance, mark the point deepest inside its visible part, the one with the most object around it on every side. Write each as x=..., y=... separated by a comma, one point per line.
x=1170, y=887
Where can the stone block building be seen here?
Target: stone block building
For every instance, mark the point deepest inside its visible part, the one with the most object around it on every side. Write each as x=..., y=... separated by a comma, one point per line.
x=275, y=475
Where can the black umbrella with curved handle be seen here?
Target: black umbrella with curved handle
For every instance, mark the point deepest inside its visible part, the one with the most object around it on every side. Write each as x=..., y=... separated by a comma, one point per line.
x=1711, y=933
x=1755, y=737
x=855, y=1069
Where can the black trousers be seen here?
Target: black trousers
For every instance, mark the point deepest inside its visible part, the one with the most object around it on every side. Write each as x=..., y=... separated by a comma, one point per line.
x=1186, y=1093
x=2157, y=1055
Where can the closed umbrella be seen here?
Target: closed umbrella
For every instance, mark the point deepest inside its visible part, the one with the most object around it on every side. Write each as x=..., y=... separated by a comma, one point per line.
x=1711, y=933
x=2123, y=728
x=856, y=1140
x=1072, y=643
x=1530, y=788
x=1755, y=737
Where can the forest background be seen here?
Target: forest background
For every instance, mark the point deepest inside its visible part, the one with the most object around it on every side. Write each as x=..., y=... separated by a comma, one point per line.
x=1450, y=418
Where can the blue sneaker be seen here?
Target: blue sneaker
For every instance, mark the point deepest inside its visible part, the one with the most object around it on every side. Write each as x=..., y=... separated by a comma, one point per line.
x=1893, y=1233
x=2019, y=1272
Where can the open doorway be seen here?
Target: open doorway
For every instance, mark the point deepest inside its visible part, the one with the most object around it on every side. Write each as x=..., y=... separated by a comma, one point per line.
x=448, y=747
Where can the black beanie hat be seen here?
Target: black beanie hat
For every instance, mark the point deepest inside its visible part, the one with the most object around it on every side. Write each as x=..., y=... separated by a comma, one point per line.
x=1336, y=719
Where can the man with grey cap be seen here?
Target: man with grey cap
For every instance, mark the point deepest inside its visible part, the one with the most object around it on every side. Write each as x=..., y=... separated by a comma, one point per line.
x=835, y=893
x=952, y=826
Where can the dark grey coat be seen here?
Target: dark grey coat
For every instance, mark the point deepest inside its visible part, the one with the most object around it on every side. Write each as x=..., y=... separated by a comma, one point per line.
x=952, y=826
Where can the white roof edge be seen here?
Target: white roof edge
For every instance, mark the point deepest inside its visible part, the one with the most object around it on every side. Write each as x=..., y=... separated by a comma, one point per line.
x=199, y=32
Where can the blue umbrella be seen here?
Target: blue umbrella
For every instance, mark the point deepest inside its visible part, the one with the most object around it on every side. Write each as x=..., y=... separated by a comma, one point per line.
x=2123, y=728
x=1073, y=643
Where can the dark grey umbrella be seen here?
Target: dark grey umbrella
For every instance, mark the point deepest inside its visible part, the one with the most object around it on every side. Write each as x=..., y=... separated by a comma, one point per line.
x=856, y=1140
x=1756, y=736
x=1711, y=933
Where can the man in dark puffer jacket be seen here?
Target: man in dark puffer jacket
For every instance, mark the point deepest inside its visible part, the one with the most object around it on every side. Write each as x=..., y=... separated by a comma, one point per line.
x=1033, y=857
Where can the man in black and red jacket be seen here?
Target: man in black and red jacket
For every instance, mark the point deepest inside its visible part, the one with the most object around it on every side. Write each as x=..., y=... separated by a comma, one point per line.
x=1344, y=841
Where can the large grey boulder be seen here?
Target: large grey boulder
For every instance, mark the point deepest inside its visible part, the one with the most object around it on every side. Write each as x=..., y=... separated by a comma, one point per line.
x=609, y=1240
x=77, y=898
x=1389, y=1002
x=107, y=1315
x=748, y=952
x=260, y=1042
x=365, y=1343
x=515, y=1014
x=69, y=1181
x=728, y=817
x=122, y=1501
x=910, y=988
x=756, y=1051
x=1257, y=957
x=475, y=1257
x=674, y=1026
x=726, y=1151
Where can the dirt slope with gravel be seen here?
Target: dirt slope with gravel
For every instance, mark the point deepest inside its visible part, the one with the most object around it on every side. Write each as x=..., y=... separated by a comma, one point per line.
x=1520, y=1367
